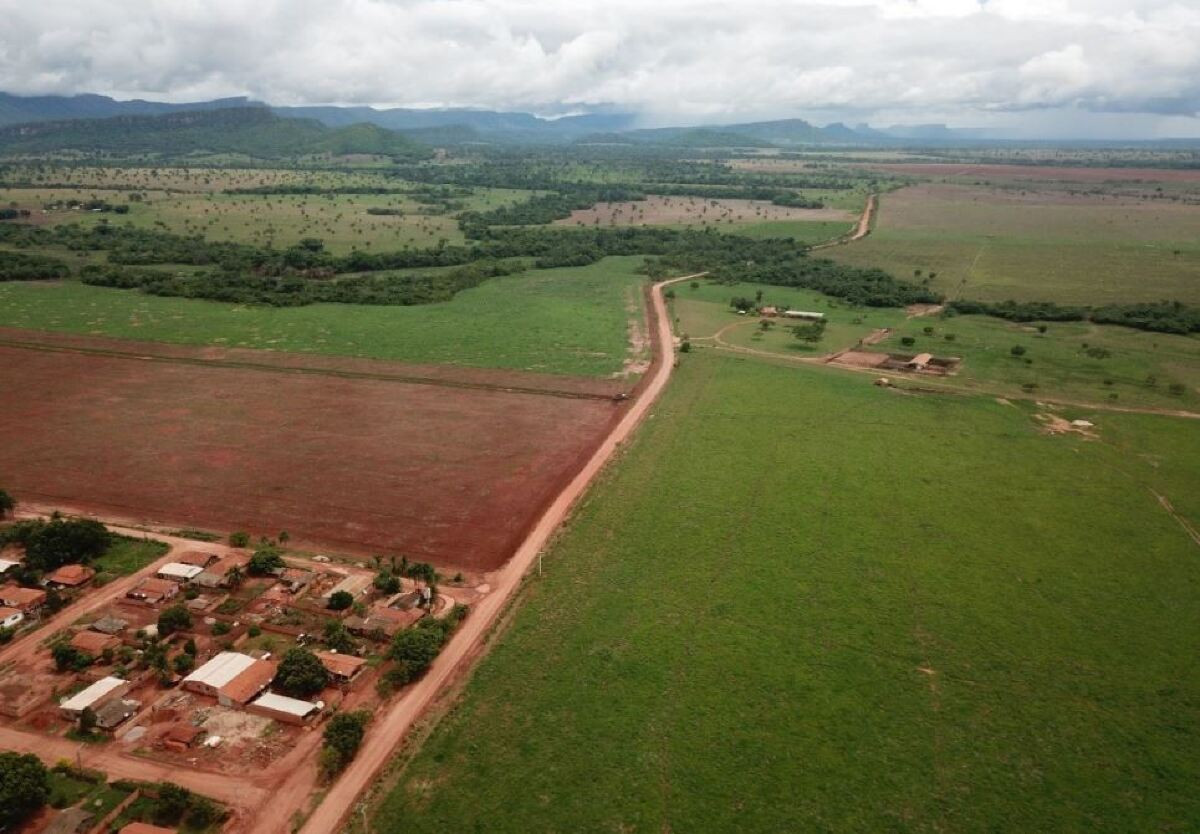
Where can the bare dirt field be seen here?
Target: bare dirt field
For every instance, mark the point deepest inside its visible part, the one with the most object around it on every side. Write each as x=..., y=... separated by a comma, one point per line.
x=1040, y=172
x=657, y=210
x=360, y=456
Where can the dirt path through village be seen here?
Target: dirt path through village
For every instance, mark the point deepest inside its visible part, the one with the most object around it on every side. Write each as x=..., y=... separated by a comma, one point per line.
x=389, y=728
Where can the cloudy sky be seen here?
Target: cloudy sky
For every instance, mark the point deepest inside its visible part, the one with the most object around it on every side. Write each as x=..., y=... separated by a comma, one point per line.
x=1047, y=67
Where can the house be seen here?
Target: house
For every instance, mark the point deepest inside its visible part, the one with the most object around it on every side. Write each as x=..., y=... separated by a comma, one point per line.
x=25, y=600
x=285, y=709
x=153, y=591
x=109, y=625
x=217, y=575
x=295, y=579
x=179, y=572
x=196, y=557
x=182, y=736
x=115, y=713
x=232, y=678
x=919, y=362
x=94, y=643
x=382, y=620
x=94, y=696
x=355, y=585
x=69, y=576
x=10, y=617
x=344, y=668
x=804, y=315
x=769, y=312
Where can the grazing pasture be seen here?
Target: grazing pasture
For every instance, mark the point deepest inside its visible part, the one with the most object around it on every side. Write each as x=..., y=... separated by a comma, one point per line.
x=359, y=457
x=800, y=602
x=1036, y=244
x=573, y=320
x=657, y=210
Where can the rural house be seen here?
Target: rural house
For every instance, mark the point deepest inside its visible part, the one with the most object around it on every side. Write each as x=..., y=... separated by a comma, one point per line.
x=10, y=617
x=25, y=600
x=94, y=643
x=344, y=668
x=179, y=572
x=919, y=362
x=69, y=576
x=197, y=558
x=153, y=591
x=94, y=696
x=285, y=709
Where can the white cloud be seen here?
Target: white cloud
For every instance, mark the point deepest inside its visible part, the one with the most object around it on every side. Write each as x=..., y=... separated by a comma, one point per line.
x=673, y=58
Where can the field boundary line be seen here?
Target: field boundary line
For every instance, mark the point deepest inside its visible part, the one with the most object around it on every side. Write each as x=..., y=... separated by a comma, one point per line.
x=243, y=365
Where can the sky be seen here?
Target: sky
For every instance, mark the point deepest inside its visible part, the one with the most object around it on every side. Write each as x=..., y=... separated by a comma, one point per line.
x=1048, y=68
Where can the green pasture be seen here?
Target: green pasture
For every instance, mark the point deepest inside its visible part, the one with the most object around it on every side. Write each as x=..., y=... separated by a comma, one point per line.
x=565, y=321
x=800, y=602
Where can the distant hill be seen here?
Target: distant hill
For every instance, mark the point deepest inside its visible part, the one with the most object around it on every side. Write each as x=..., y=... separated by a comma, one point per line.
x=697, y=137
x=25, y=109
x=251, y=130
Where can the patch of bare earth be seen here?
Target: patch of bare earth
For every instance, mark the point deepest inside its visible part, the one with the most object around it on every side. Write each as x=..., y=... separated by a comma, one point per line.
x=664, y=211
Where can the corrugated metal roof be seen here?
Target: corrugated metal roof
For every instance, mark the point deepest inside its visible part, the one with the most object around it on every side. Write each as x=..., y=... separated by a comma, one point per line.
x=353, y=585
x=282, y=703
x=221, y=669
x=181, y=570
x=81, y=700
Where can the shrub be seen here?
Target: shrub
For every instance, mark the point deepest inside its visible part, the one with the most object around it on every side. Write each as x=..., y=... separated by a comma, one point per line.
x=907, y=341
x=173, y=619
x=343, y=736
x=340, y=601
x=239, y=539
x=1017, y=350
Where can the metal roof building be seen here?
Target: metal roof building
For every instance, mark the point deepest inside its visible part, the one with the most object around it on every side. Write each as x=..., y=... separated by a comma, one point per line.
x=231, y=677
x=283, y=708
x=94, y=694
x=179, y=572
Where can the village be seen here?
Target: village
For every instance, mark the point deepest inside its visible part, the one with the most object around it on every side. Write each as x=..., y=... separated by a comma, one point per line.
x=212, y=659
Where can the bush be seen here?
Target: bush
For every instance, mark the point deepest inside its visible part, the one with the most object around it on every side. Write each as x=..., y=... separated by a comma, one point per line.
x=59, y=542
x=301, y=674
x=343, y=736
x=340, y=601
x=907, y=341
x=174, y=618
x=265, y=561
x=1017, y=350
x=24, y=787
x=239, y=539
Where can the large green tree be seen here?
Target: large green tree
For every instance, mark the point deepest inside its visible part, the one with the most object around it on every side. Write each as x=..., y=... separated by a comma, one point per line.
x=301, y=674
x=24, y=787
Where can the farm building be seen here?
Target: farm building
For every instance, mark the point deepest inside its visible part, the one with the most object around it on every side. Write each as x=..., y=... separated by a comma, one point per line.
x=6, y=565
x=154, y=591
x=232, y=678
x=93, y=642
x=355, y=585
x=769, y=312
x=115, y=713
x=804, y=315
x=285, y=709
x=179, y=572
x=69, y=576
x=217, y=575
x=94, y=696
x=25, y=600
x=343, y=667
x=198, y=558
x=919, y=362
x=295, y=579
x=10, y=617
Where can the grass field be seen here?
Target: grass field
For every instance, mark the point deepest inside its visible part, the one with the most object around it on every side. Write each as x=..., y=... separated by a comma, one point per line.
x=566, y=321
x=800, y=602
x=127, y=555
x=996, y=244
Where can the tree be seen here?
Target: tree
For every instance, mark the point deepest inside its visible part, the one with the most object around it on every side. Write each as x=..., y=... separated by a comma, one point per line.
x=301, y=674
x=87, y=721
x=24, y=787
x=235, y=577
x=387, y=582
x=338, y=638
x=62, y=542
x=811, y=333
x=265, y=561
x=340, y=600
x=1017, y=350
x=68, y=658
x=343, y=736
x=7, y=503
x=907, y=341
x=173, y=803
x=413, y=651
x=239, y=539
x=173, y=619
x=183, y=663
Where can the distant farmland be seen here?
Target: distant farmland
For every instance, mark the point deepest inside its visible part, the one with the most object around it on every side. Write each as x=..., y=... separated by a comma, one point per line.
x=804, y=603
x=1039, y=244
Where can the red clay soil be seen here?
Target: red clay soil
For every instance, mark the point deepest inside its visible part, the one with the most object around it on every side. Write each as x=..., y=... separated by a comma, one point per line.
x=1040, y=172
x=372, y=463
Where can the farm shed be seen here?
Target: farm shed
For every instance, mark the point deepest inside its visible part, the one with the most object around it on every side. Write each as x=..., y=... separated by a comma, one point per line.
x=109, y=625
x=25, y=600
x=69, y=576
x=919, y=362
x=10, y=617
x=154, y=591
x=94, y=696
x=93, y=642
x=343, y=667
x=181, y=736
x=806, y=315
x=197, y=558
x=295, y=579
x=232, y=678
x=355, y=585
x=285, y=709
x=217, y=575
x=115, y=713
x=179, y=572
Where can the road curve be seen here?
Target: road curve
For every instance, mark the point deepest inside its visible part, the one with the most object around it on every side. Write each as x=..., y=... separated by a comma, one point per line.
x=389, y=729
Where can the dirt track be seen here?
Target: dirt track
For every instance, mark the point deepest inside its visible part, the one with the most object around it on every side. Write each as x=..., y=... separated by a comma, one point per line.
x=860, y=231
x=389, y=729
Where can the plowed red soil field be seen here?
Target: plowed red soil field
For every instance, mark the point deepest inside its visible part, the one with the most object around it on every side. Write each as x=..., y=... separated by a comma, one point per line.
x=440, y=464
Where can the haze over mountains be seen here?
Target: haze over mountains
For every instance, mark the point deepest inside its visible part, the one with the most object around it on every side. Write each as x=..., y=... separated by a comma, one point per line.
x=348, y=129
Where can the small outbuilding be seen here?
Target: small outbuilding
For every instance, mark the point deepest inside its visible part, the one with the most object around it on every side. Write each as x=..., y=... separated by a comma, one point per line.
x=154, y=591
x=179, y=572
x=295, y=579
x=344, y=668
x=198, y=558
x=25, y=600
x=94, y=696
x=115, y=713
x=10, y=617
x=94, y=643
x=355, y=585
x=109, y=625
x=182, y=736
x=919, y=362
x=217, y=575
x=69, y=576
x=285, y=709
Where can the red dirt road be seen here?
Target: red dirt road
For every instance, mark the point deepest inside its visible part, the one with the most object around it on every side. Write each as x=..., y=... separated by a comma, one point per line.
x=447, y=466
x=390, y=727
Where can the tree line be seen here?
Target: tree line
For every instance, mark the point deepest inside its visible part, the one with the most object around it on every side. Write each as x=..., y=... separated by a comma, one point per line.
x=1156, y=316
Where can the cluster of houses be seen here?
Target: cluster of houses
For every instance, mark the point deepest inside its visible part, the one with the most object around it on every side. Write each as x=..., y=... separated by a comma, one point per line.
x=18, y=604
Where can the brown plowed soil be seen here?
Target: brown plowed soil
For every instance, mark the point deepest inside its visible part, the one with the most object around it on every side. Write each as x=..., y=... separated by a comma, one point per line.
x=1040, y=172
x=447, y=465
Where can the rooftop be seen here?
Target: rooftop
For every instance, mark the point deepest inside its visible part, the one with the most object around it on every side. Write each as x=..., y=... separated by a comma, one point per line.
x=282, y=703
x=180, y=570
x=342, y=665
x=85, y=698
x=221, y=670
x=71, y=575
x=21, y=596
x=195, y=557
x=93, y=642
